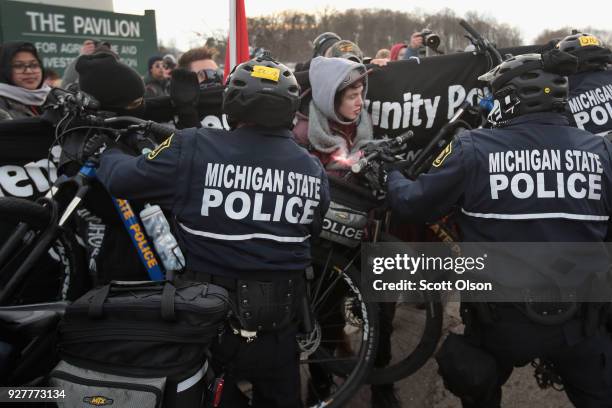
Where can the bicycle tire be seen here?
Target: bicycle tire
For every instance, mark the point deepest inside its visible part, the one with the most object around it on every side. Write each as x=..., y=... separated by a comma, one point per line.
x=70, y=278
x=419, y=352
x=424, y=348
x=409, y=359
x=347, y=371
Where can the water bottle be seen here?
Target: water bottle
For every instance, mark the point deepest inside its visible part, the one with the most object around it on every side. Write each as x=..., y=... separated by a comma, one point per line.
x=158, y=230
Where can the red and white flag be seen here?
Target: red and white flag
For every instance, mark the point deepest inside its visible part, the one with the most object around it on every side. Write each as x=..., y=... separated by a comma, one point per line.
x=237, y=50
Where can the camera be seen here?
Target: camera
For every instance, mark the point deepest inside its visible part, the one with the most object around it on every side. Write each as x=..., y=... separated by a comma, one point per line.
x=430, y=39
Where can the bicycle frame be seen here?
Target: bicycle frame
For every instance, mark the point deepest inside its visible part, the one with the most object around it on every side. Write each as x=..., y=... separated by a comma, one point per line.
x=134, y=228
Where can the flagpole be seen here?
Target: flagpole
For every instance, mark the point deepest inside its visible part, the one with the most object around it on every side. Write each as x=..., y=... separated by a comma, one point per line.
x=232, y=36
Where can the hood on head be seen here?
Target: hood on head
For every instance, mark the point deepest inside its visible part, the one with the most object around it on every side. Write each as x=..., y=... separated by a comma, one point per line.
x=327, y=76
x=8, y=51
x=395, y=50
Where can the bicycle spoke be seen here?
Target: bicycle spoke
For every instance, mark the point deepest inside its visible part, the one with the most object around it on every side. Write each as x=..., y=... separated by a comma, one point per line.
x=323, y=273
x=325, y=295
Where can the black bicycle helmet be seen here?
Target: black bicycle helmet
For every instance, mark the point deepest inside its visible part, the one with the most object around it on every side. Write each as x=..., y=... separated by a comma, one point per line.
x=525, y=84
x=592, y=53
x=261, y=91
x=323, y=42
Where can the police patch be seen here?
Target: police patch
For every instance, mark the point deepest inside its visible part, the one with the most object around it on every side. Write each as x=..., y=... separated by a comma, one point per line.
x=443, y=155
x=166, y=143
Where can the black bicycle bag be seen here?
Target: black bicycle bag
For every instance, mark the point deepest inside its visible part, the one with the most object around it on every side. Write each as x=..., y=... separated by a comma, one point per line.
x=115, y=336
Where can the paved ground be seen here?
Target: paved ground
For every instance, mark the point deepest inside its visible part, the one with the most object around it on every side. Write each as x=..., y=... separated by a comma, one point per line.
x=425, y=389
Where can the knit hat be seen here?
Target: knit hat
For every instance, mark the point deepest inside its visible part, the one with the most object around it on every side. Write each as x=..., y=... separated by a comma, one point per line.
x=152, y=61
x=111, y=82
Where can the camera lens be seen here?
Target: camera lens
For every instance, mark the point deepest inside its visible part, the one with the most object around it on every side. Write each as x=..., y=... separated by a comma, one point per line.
x=432, y=41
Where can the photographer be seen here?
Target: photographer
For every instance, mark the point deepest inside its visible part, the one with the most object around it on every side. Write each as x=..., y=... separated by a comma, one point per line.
x=416, y=42
x=421, y=42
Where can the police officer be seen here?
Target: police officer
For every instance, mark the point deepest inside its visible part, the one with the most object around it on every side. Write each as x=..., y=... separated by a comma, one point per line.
x=246, y=203
x=494, y=206
x=590, y=98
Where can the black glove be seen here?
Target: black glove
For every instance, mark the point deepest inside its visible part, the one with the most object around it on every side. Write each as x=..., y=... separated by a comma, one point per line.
x=559, y=62
x=137, y=144
x=185, y=93
x=95, y=146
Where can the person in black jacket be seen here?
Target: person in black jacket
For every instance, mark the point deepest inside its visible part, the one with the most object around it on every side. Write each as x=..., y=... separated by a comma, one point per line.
x=590, y=98
x=504, y=189
x=156, y=83
x=246, y=203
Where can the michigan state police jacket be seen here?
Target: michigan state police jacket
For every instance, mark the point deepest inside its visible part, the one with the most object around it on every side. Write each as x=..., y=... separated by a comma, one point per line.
x=244, y=201
x=590, y=101
x=536, y=179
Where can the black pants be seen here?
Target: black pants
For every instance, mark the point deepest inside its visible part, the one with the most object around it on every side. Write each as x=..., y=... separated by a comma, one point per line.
x=270, y=363
x=386, y=315
x=584, y=363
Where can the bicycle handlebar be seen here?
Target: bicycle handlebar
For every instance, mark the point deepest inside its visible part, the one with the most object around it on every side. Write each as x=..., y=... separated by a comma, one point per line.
x=496, y=57
x=380, y=149
x=155, y=128
x=471, y=30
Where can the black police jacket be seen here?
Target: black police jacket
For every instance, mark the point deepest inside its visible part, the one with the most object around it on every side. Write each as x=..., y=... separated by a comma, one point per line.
x=590, y=101
x=245, y=201
x=536, y=180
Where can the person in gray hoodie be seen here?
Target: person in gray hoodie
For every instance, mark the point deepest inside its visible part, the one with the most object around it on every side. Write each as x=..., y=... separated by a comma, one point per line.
x=337, y=126
x=336, y=129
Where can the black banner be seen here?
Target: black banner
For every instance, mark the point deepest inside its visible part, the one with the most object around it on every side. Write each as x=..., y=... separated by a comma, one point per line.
x=422, y=95
x=418, y=95
x=27, y=167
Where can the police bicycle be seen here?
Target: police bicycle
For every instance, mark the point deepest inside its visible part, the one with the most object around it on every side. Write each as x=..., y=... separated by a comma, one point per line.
x=38, y=225
x=408, y=332
x=45, y=223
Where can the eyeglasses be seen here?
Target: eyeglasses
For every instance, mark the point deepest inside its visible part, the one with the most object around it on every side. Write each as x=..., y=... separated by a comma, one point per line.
x=22, y=68
x=209, y=77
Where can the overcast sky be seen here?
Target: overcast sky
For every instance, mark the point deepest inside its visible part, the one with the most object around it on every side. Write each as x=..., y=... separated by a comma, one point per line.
x=185, y=20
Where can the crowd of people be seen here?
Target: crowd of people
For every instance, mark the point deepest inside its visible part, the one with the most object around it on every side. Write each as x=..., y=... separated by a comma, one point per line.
x=26, y=82
x=272, y=129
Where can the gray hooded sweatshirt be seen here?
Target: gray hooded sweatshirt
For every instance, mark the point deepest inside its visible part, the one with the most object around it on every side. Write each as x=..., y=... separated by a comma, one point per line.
x=327, y=75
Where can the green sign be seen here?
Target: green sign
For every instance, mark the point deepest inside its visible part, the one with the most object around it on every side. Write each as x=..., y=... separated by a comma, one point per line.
x=58, y=32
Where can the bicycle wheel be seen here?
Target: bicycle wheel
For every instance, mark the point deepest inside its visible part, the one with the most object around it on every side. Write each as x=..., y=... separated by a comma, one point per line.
x=58, y=274
x=409, y=335
x=336, y=357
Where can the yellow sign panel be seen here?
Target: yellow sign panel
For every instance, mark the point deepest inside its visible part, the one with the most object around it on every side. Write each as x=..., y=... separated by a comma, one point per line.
x=260, y=71
x=588, y=40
